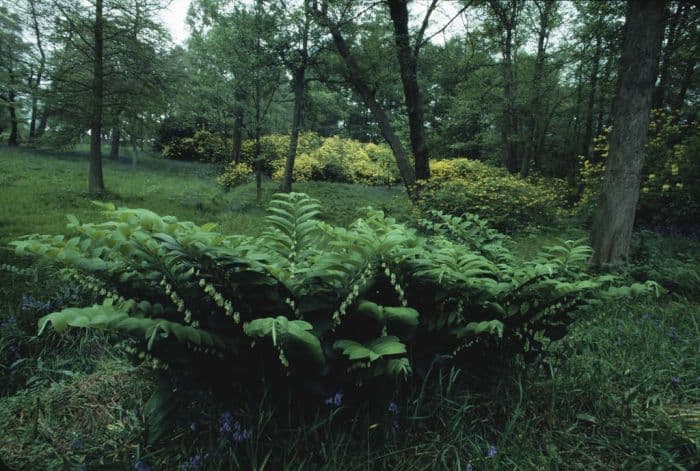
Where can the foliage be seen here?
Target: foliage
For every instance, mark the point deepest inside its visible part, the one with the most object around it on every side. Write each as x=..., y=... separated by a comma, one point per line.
x=274, y=149
x=203, y=146
x=510, y=203
x=235, y=174
x=669, y=193
x=339, y=306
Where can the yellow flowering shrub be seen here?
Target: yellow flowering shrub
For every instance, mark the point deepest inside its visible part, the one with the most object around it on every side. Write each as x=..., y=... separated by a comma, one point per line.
x=463, y=185
x=274, y=149
x=235, y=174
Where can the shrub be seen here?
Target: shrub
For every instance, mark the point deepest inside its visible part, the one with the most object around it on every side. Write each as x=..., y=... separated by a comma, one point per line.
x=203, y=146
x=463, y=185
x=234, y=175
x=669, y=193
x=170, y=129
x=338, y=159
x=274, y=149
x=329, y=307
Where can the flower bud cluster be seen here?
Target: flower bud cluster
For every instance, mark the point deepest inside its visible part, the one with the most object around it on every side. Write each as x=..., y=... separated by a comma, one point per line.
x=395, y=284
x=153, y=362
x=219, y=300
x=352, y=295
x=95, y=286
x=178, y=302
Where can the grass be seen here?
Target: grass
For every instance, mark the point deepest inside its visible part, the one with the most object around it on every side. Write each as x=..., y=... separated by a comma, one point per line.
x=622, y=391
x=38, y=191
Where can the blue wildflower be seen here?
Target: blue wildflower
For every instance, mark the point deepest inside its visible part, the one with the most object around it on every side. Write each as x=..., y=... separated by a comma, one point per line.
x=9, y=322
x=234, y=430
x=673, y=333
x=31, y=304
x=335, y=400
x=491, y=452
x=675, y=380
x=194, y=462
x=240, y=434
x=76, y=444
x=469, y=467
x=194, y=427
x=393, y=408
x=141, y=465
x=225, y=423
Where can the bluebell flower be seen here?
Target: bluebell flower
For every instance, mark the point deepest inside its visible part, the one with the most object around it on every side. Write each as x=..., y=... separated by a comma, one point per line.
x=673, y=333
x=335, y=400
x=675, y=380
x=491, y=452
x=76, y=444
x=393, y=408
x=9, y=322
x=194, y=427
x=193, y=462
x=225, y=423
x=240, y=434
x=14, y=352
x=234, y=430
x=469, y=467
x=31, y=304
x=141, y=465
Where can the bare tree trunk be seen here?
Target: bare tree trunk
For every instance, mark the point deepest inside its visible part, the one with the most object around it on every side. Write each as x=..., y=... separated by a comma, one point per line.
x=602, y=98
x=614, y=218
x=135, y=152
x=116, y=140
x=507, y=15
x=588, y=136
x=510, y=158
x=40, y=71
x=676, y=22
x=686, y=81
x=536, y=134
x=299, y=85
x=95, y=179
x=14, y=132
x=43, y=120
x=354, y=76
x=237, y=137
x=398, y=10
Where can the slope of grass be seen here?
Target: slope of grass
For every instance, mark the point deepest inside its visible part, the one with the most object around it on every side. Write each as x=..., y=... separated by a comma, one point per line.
x=38, y=190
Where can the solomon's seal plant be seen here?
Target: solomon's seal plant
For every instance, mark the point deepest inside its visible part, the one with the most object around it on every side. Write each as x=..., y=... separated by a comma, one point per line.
x=326, y=307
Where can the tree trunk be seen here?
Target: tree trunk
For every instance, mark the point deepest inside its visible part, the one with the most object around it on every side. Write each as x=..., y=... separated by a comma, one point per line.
x=135, y=152
x=614, y=218
x=354, y=76
x=510, y=157
x=14, y=133
x=32, y=119
x=237, y=131
x=676, y=22
x=95, y=180
x=588, y=136
x=398, y=10
x=299, y=85
x=686, y=81
x=116, y=140
x=535, y=137
x=40, y=72
x=43, y=120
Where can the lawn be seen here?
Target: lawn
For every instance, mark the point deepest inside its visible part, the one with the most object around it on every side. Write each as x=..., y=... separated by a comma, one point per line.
x=621, y=391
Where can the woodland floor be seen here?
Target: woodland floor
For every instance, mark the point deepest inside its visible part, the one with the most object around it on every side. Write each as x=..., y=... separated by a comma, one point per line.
x=622, y=391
